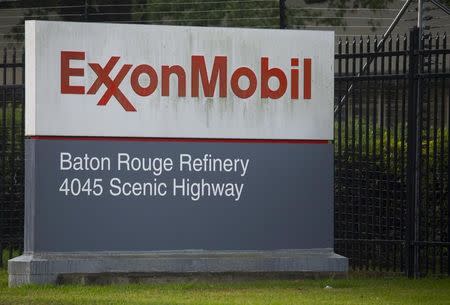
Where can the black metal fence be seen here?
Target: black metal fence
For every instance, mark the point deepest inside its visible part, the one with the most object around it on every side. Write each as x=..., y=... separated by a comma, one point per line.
x=11, y=153
x=391, y=137
x=391, y=154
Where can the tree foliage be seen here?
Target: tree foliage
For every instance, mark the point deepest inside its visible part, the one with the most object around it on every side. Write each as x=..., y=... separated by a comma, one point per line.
x=227, y=13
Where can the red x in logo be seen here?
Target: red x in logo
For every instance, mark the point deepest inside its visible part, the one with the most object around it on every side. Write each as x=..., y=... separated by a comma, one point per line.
x=111, y=85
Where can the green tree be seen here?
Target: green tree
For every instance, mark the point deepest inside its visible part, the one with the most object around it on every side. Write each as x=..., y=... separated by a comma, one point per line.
x=259, y=13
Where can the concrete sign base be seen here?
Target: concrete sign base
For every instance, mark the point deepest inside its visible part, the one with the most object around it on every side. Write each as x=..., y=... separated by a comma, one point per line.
x=43, y=268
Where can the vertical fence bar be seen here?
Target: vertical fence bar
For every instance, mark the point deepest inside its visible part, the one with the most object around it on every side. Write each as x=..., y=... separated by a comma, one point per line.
x=412, y=153
x=367, y=163
x=388, y=162
x=418, y=172
x=22, y=207
x=382, y=174
x=448, y=167
x=441, y=127
x=339, y=146
x=360, y=152
x=359, y=215
x=13, y=156
x=353, y=193
x=4, y=152
x=441, y=164
x=375, y=230
x=404, y=218
x=434, y=151
x=396, y=198
x=426, y=115
x=3, y=165
x=344, y=160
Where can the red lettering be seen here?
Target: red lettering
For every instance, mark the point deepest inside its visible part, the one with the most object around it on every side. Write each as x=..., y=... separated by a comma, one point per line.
x=266, y=74
x=294, y=78
x=199, y=77
x=106, y=70
x=219, y=70
x=179, y=72
x=67, y=72
x=111, y=85
x=153, y=80
x=307, y=78
x=247, y=72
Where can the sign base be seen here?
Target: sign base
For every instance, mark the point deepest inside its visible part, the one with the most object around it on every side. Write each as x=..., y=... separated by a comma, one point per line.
x=50, y=268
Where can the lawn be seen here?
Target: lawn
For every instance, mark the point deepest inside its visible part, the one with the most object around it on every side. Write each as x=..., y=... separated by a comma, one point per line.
x=355, y=290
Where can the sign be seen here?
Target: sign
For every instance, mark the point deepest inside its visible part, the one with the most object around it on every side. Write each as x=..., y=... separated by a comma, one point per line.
x=180, y=82
x=144, y=196
x=176, y=149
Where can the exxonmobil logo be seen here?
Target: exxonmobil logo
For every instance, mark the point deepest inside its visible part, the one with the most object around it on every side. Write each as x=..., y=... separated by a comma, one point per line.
x=200, y=79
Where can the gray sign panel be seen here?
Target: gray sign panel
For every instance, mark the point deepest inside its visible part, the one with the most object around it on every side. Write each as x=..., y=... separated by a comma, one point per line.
x=111, y=195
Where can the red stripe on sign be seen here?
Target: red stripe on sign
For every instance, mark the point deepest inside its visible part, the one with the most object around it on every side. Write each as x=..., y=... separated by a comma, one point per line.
x=207, y=140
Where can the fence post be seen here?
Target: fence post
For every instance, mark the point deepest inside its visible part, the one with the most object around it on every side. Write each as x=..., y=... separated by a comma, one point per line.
x=282, y=4
x=3, y=142
x=413, y=144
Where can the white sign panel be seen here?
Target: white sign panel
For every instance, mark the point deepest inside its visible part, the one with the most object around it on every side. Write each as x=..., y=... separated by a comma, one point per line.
x=115, y=80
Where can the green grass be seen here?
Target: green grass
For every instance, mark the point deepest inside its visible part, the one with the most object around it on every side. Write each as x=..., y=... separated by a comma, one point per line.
x=355, y=290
